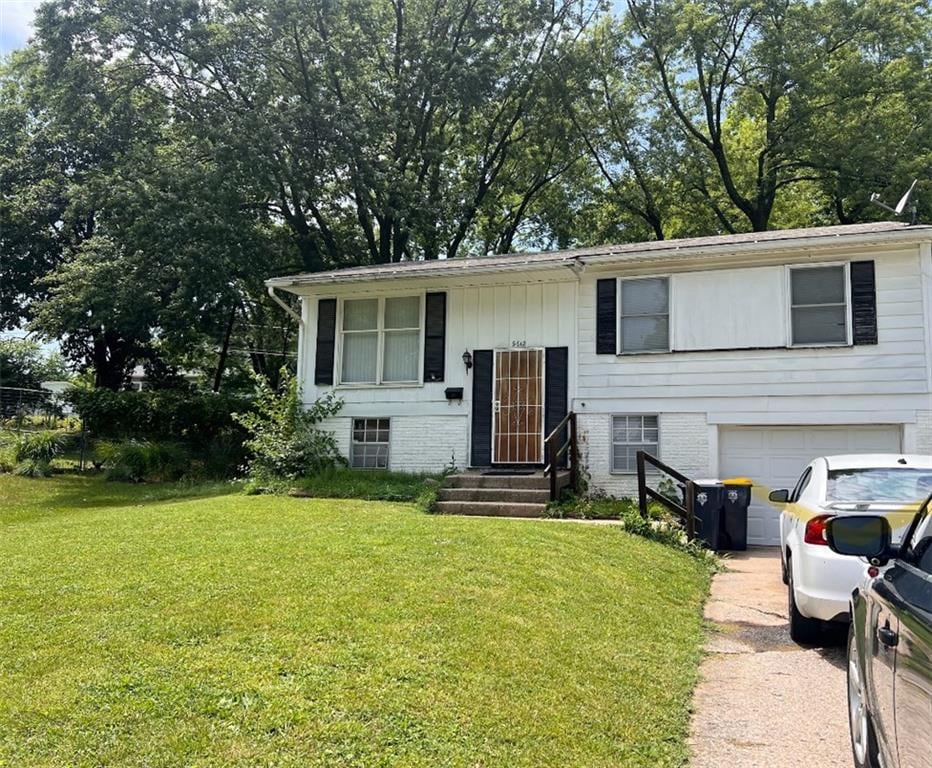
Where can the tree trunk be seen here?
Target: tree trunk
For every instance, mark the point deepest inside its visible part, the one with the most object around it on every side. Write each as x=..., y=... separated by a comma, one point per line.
x=224, y=350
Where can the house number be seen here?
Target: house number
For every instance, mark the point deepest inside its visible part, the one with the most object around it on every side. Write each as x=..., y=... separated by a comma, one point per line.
x=520, y=343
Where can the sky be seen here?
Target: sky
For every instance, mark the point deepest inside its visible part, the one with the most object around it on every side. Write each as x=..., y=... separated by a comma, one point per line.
x=15, y=23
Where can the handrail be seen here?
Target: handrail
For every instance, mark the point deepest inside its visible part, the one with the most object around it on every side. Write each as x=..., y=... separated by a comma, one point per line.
x=686, y=511
x=555, y=453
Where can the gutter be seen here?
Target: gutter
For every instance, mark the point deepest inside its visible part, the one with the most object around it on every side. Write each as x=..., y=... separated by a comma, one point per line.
x=278, y=300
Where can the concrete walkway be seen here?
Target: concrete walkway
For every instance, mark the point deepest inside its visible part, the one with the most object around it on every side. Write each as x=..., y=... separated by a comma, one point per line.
x=763, y=701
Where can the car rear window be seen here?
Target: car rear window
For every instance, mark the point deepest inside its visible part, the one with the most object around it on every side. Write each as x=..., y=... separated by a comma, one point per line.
x=896, y=484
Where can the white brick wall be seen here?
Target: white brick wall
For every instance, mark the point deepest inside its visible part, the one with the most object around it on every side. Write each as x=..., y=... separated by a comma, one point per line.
x=684, y=445
x=417, y=443
x=919, y=435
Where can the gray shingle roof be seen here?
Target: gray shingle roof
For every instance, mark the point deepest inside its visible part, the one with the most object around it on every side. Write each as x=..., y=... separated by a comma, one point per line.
x=609, y=253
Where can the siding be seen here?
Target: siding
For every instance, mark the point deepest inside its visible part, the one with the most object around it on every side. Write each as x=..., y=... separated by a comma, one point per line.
x=715, y=381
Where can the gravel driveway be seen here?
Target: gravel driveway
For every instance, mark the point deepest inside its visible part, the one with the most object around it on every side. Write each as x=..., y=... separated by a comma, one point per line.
x=764, y=701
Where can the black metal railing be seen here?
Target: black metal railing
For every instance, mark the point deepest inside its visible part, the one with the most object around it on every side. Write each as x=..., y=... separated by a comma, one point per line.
x=556, y=451
x=685, y=511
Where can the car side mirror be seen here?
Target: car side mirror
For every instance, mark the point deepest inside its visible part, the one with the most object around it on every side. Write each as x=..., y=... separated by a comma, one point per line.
x=779, y=497
x=861, y=536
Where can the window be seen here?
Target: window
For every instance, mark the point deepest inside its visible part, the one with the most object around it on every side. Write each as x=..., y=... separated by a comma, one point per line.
x=801, y=485
x=903, y=485
x=819, y=305
x=369, y=449
x=644, y=315
x=381, y=340
x=631, y=434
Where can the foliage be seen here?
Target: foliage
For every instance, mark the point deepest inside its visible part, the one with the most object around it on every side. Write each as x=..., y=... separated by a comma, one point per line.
x=660, y=525
x=24, y=364
x=210, y=629
x=135, y=461
x=284, y=439
x=33, y=452
x=191, y=416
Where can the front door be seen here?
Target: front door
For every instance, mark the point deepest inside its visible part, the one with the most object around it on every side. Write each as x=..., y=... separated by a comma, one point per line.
x=518, y=406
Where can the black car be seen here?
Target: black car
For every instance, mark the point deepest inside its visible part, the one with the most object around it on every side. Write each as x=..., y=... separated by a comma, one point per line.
x=890, y=641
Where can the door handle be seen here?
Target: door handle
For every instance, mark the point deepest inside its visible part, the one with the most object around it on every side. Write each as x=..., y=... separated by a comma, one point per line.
x=497, y=406
x=888, y=637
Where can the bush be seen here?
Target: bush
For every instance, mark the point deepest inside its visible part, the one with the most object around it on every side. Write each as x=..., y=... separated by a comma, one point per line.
x=284, y=441
x=33, y=468
x=192, y=417
x=135, y=461
x=40, y=446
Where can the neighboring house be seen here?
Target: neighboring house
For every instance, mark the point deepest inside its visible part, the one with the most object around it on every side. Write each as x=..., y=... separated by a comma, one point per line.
x=740, y=355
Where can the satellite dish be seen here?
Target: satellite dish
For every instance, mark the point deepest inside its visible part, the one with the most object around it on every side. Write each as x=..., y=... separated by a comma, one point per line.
x=901, y=205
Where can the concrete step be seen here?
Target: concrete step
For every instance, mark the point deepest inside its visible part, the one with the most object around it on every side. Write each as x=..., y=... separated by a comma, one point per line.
x=477, y=480
x=490, y=509
x=503, y=495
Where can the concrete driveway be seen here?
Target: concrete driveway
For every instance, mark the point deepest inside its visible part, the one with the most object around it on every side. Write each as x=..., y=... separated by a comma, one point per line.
x=763, y=701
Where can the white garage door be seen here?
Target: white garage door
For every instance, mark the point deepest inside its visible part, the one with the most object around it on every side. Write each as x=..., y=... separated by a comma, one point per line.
x=774, y=457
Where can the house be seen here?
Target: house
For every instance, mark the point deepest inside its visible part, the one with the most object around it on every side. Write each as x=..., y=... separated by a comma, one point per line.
x=737, y=355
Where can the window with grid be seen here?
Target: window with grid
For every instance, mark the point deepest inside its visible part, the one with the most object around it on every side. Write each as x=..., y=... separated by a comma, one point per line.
x=381, y=340
x=819, y=305
x=644, y=315
x=369, y=448
x=631, y=434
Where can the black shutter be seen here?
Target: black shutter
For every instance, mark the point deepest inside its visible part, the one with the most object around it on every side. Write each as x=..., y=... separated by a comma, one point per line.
x=863, y=302
x=481, y=408
x=435, y=336
x=606, y=317
x=326, y=333
x=555, y=391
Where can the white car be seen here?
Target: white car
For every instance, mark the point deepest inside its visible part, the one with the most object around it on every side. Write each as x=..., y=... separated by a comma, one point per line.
x=819, y=581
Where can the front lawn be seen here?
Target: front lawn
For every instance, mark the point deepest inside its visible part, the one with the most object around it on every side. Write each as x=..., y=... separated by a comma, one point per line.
x=219, y=629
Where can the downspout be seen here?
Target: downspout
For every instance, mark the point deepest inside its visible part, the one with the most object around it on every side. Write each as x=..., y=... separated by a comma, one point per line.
x=284, y=305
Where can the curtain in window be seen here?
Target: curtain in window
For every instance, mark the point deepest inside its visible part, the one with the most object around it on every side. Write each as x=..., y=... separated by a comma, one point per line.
x=402, y=339
x=360, y=341
x=645, y=315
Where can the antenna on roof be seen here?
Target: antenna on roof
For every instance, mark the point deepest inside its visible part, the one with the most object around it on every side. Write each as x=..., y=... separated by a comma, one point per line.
x=901, y=205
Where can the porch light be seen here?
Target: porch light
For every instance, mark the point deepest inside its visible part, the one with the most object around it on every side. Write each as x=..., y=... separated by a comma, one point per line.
x=467, y=359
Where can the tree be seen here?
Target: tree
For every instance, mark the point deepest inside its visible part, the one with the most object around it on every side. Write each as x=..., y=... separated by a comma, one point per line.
x=768, y=69
x=377, y=130
x=24, y=364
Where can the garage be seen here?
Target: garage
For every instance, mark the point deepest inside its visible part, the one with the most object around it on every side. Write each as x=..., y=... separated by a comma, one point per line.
x=774, y=457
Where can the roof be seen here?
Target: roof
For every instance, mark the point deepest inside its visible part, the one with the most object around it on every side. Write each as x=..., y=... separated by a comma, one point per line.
x=646, y=251
x=878, y=461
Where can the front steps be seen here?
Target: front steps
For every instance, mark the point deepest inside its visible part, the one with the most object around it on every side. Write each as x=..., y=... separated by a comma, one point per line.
x=472, y=493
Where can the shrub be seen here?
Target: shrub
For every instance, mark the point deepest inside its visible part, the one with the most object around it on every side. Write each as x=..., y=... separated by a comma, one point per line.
x=137, y=460
x=192, y=417
x=31, y=453
x=376, y=484
x=284, y=440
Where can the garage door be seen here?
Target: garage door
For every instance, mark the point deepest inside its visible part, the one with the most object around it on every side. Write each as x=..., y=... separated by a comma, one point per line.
x=774, y=457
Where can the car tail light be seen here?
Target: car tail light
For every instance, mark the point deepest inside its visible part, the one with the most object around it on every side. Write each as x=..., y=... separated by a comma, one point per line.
x=816, y=530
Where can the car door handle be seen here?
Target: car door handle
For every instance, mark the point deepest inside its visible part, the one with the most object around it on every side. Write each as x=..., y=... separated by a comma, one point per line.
x=888, y=637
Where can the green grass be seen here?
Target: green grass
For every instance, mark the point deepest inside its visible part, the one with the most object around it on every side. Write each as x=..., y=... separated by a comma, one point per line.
x=372, y=485
x=139, y=626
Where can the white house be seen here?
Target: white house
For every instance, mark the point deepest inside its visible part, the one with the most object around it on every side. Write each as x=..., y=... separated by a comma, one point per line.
x=740, y=355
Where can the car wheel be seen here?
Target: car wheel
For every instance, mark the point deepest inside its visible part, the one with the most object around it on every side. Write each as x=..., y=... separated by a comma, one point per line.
x=863, y=740
x=802, y=629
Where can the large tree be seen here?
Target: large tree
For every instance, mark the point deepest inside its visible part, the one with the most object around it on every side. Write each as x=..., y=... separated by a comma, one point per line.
x=753, y=84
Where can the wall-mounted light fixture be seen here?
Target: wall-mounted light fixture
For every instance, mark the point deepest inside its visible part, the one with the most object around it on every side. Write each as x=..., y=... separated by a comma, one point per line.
x=467, y=360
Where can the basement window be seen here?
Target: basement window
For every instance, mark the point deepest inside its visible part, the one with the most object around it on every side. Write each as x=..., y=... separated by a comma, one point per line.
x=369, y=447
x=631, y=434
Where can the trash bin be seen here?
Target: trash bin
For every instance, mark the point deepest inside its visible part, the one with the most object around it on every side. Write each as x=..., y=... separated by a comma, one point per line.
x=708, y=505
x=734, y=532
